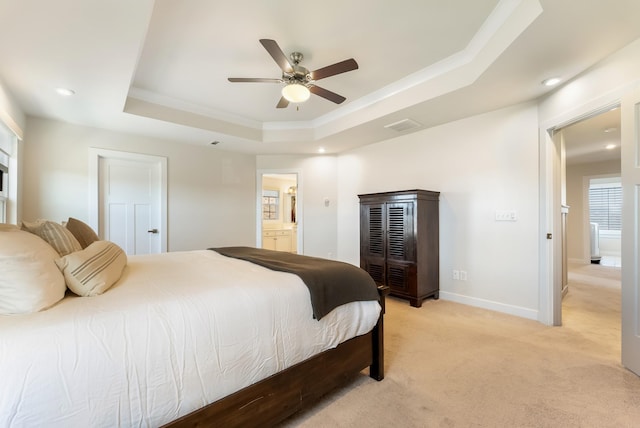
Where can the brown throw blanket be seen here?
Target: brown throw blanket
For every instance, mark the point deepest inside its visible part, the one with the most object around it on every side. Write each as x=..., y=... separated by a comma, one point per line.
x=331, y=283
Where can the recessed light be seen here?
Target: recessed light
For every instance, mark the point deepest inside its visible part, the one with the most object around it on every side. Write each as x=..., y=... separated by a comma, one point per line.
x=321, y=150
x=65, y=92
x=610, y=146
x=612, y=129
x=551, y=81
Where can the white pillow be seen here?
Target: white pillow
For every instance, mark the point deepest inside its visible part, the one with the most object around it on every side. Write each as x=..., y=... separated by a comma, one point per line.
x=29, y=278
x=93, y=270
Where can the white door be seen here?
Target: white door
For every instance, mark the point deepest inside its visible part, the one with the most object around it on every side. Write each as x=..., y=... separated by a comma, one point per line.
x=131, y=201
x=550, y=297
x=630, y=126
x=555, y=240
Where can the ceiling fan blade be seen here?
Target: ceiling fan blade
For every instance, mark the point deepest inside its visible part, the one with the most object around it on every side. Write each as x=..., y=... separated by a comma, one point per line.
x=337, y=68
x=324, y=93
x=250, y=79
x=276, y=53
x=283, y=103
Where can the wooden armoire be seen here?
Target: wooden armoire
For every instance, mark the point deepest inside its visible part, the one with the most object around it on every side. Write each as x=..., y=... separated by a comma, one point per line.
x=399, y=242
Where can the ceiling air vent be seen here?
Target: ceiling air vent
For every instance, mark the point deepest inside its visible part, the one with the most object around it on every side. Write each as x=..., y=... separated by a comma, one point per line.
x=403, y=125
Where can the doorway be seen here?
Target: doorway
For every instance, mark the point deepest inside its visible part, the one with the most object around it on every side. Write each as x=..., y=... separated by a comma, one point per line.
x=572, y=154
x=628, y=98
x=589, y=155
x=279, y=225
x=592, y=186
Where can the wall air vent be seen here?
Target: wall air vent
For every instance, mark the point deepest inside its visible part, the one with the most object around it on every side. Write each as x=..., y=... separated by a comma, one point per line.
x=403, y=125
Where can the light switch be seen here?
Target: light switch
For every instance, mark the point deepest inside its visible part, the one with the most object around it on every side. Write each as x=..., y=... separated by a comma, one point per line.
x=506, y=215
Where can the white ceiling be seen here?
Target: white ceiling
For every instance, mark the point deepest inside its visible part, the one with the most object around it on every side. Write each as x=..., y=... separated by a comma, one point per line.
x=586, y=141
x=160, y=68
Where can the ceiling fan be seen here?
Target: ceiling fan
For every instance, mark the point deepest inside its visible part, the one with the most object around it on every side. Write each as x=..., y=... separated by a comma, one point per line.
x=300, y=82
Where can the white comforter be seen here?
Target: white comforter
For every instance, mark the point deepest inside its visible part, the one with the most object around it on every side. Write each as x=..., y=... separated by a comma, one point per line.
x=178, y=331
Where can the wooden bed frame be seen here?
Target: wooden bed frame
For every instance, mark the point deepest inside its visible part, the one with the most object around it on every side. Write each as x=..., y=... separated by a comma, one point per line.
x=274, y=399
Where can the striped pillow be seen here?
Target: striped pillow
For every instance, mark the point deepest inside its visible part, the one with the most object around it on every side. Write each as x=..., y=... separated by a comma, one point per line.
x=95, y=269
x=55, y=234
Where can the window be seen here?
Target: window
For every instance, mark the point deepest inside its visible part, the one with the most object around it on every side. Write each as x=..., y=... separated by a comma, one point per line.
x=8, y=178
x=4, y=178
x=605, y=205
x=270, y=204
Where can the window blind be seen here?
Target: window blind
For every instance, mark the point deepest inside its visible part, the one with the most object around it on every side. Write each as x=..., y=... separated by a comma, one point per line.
x=605, y=207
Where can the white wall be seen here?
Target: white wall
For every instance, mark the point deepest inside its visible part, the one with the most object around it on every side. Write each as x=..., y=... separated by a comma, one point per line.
x=578, y=244
x=317, y=181
x=211, y=199
x=480, y=164
x=587, y=92
x=610, y=244
x=10, y=113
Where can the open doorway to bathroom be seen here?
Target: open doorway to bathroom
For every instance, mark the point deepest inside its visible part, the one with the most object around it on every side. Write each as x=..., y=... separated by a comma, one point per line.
x=279, y=212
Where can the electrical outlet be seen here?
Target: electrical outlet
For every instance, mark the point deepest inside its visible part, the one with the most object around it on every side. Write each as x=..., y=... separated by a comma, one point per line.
x=463, y=275
x=456, y=274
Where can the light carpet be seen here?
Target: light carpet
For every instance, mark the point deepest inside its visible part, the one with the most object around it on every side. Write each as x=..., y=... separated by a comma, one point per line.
x=452, y=365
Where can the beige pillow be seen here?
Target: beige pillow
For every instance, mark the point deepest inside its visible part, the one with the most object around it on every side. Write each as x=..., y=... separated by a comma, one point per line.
x=92, y=271
x=55, y=234
x=29, y=278
x=82, y=232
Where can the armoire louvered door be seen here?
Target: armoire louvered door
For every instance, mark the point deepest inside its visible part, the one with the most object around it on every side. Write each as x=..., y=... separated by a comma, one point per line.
x=390, y=229
x=373, y=241
x=400, y=256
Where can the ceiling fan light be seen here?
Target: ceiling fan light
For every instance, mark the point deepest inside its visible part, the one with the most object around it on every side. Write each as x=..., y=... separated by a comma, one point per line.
x=296, y=93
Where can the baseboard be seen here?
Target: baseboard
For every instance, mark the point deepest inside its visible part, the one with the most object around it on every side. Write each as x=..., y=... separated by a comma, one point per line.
x=519, y=311
x=610, y=254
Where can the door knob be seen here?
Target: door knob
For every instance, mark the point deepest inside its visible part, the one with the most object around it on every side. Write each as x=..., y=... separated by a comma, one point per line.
x=153, y=231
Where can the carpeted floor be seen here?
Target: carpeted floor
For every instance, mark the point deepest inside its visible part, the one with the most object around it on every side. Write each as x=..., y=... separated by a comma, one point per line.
x=451, y=365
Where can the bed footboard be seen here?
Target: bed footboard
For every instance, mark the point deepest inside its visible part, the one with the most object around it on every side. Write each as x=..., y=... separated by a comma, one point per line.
x=276, y=398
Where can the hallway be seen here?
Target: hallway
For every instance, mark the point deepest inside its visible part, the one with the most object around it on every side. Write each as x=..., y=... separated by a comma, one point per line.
x=592, y=305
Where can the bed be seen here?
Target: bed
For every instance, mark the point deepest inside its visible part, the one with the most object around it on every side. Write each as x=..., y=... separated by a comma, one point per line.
x=192, y=338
